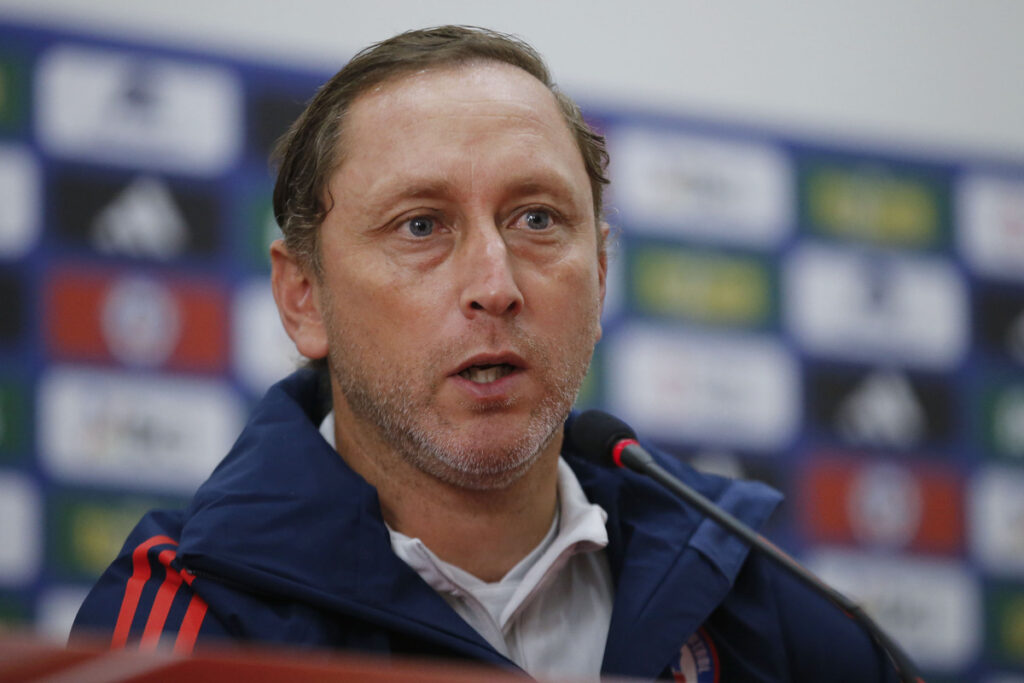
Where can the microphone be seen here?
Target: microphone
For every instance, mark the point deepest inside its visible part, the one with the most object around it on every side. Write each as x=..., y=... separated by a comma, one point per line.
x=607, y=440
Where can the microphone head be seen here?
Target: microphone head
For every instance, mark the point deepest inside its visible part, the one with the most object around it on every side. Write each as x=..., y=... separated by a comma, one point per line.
x=594, y=434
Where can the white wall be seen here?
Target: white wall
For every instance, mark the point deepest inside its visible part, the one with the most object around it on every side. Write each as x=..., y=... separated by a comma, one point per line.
x=924, y=74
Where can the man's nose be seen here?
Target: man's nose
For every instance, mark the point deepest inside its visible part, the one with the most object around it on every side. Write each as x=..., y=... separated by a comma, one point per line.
x=489, y=277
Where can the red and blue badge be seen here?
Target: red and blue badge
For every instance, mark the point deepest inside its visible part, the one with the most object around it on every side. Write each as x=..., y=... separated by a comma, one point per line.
x=698, y=660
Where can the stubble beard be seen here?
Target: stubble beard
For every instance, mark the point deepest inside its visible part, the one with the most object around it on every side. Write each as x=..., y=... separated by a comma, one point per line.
x=402, y=410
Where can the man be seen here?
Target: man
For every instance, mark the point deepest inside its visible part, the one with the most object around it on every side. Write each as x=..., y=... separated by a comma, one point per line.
x=444, y=252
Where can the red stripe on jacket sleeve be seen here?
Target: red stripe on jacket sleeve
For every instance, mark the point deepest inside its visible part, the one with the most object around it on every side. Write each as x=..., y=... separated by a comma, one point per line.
x=162, y=603
x=190, y=625
x=133, y=589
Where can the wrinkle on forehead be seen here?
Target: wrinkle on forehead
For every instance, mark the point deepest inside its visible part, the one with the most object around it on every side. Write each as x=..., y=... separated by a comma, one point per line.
x=479, y=101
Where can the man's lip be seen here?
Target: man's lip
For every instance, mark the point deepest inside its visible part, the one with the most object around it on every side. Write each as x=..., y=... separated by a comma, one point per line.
x=501, y=358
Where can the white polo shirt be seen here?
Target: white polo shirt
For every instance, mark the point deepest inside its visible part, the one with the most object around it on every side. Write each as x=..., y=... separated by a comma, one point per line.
x=550, y=613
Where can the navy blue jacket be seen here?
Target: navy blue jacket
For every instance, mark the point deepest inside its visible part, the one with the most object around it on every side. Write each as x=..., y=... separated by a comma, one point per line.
x=284, y=543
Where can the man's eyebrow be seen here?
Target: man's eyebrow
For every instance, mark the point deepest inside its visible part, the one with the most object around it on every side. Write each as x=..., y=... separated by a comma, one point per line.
x=382, y=199
x=553, y=184
x=417, y=189
x=544, y=179
x=536, y=182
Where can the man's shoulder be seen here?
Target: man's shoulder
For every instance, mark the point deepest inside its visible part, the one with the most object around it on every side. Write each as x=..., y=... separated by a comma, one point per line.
x=145, y=596
x=278, y=452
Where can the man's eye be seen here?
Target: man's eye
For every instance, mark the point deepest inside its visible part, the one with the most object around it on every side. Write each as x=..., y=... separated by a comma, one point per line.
x=537, y=220
x=421, y=226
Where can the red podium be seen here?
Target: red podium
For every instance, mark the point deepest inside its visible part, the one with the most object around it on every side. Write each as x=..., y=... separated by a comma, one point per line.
x=28, y=659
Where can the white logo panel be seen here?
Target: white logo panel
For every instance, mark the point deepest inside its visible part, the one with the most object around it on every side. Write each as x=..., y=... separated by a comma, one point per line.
x=135, y=430
x=862, y=305
x=19, y=201
x=724, y=190
x=931, y=608
x=991, y=224
x=119, y=107
x=739, y=391
x=21, y=528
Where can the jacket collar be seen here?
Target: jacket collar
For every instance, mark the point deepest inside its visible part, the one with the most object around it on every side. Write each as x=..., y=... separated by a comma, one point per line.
x=671, y=567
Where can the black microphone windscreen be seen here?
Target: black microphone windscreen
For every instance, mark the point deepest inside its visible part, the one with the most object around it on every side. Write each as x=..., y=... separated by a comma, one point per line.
x=594, y=434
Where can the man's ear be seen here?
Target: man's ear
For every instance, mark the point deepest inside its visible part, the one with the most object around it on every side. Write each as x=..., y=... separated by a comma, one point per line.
x=602, y=268
x=298, y=301
x=602, y=258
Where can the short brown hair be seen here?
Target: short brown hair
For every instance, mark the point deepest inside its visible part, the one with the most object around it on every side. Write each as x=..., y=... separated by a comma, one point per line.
x=308, y=153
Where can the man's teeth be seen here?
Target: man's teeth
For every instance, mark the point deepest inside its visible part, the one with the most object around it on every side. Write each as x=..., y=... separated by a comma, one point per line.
x=482, y=374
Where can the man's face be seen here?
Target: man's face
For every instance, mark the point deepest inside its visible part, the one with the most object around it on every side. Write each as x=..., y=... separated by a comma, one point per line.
x=462, y=277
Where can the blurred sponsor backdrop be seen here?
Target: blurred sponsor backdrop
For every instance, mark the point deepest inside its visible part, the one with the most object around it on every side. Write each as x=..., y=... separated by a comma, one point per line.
x=844, y=322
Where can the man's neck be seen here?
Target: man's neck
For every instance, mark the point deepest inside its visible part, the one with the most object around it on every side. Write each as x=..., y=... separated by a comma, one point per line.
x=484, y=532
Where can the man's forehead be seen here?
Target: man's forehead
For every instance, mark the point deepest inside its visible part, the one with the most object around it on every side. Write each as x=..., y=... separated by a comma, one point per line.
x=500, y=79
x=482, y=99
x=479, y=89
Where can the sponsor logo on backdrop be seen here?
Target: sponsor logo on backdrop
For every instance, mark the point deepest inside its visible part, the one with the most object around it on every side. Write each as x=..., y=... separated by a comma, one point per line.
x=724, y=190
x=931, y=607
x=734, y=390
x=999, y=322
x=701, y=285
x=991, y=224
x=140, y=216
x=874, y=203
x=136, y=320
x=21, y=528
x=86, y=531
x=855, y=500
x=869, y=305
x=19, y=201
x=13, y=311
x=263, y=352
x=142, y=220
x=881, y=408
x=884, y=505
x=1004, y=617
x=140, y=321
x=130, y=108
x=137, y=431
x=997, y=519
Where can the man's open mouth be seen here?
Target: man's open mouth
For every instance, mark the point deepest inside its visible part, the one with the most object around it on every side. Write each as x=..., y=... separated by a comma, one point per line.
x=483, y=374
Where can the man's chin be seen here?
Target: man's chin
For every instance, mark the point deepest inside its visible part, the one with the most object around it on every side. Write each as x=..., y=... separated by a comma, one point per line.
x=483, y=478
x=487, y=457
